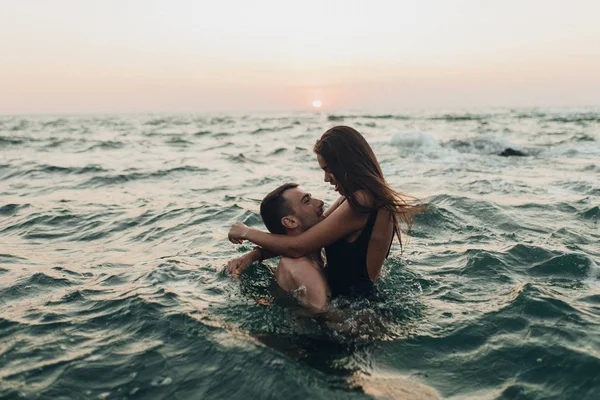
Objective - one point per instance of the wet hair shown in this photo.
(355, 167)
(274, 207)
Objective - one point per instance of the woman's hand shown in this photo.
(238, 233)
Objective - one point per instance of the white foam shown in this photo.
(414, 140)
(593, 274)
(423, 146)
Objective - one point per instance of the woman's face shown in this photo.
(329, 177)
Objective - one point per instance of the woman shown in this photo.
(359, 227)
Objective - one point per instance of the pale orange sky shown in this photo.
(67, 56)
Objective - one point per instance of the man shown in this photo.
(288, 210)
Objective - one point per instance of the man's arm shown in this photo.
(237, 265)
(300, 278)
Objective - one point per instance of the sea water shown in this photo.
(113, 238)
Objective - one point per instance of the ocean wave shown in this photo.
(591, 168)
(523, 254)
(413, 140)
(529, 115)
(221, 121)
(12, 140)
(582, 137)
(279, 150)
(461, 117)
(54, 143)
(591, 299)
(581, 187)
(33, 219)
(541, 303)
(157, 122)
(592, 214)
(33, 284)
(163, 134)
(242, 159)
(223, 134)
(424, 147)
(107, 180)
(178, 142)
(21, 126)
(11, 209)
(60, 122)
(482, 145)
(438, 216)
(267, 130)
(566, 265)
(54, 169)
(485, 265)
(106, 145)
(334, 117)
(472, 210)
(426, 144)
(575, 118)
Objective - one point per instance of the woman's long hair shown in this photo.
(355, 167)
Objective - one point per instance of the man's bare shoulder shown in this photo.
(291, 262)
(304, 277)
(291, 266)
(290, 270)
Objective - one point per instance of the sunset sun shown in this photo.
(317, 103)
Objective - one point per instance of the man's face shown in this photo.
(307, 210)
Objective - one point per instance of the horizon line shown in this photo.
(380, 111)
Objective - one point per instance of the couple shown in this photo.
(356, 231)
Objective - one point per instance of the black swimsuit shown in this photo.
(346, 270)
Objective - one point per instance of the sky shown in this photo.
(73, 56)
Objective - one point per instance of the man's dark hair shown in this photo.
(274, 207)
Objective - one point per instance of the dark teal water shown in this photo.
(113, 238)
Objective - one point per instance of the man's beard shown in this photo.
(309, 223)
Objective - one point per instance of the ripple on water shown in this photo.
(278, 151)
(57, 224)
(178, 142)
(108, 180)
(34, 284)
(13, 140)
(541, 304)
(241, 159)
(43, 170)
(591, 214)
(105, 145)
(521, 257)
(486, 265)
(577, 266)
(11, 209)
(501, 344)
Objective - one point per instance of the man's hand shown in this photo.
(237, 233)
(237, 265)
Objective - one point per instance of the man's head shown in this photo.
(288, 209)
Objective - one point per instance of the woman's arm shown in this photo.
(341, 223)
(239, 264)
(333, 207)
